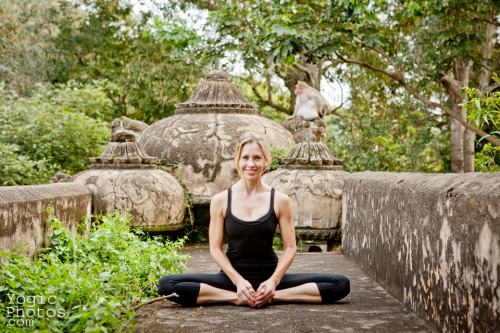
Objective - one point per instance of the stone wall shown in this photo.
(432, 240)
(23, 212)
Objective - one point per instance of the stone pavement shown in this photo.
(368, 308)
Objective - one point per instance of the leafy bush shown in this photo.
(277, 153)
(84, 283)
(55, 129)
(483, 108)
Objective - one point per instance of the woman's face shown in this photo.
(252, 161)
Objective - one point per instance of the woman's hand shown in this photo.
(245, 292)
(265, 293)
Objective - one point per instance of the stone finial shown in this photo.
(216, 95)
(60, 177)
(312, 153)
(311, 148)
(123, 152)
(128, 124)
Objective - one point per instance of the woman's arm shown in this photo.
(284, 213)
(215, 234)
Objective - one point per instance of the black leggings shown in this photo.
(332, 287)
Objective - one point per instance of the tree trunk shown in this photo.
(463, 72)
(462, 140)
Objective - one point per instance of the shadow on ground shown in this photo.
(368, 308)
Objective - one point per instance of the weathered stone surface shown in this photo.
(60, 177)
(315, 194)
(125, 123)
(216, 95)
(432, 240)
(203, 135)
(206, 143)
(311, 153)
(123, 152)
(154, 198)
(23, 212)
(306, 130)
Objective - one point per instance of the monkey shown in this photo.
(310, 104)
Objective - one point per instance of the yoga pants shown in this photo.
(332, 287)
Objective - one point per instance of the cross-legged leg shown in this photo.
(193, 289)
(210, 294)
(305, 293)
(312, 288)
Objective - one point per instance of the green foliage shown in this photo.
(277, 153)
(414, 43)
(89, 281)
(277, 243)
(26, 27)
(483, 108)
(381, 132)
(488, 159)
(56, 129)
(108, 42)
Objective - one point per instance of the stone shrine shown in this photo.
(204, 132)
(313, 179)
(125, 178)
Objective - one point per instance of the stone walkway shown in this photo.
(368, 308)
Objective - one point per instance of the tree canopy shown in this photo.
(418, 76)
(431, 49)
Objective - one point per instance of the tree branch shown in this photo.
(269, 102)
(388, 59)
(493, 87)
(421, 98)
(305, 70)
(367, 65)
(154, 300)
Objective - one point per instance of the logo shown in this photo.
(22, 309)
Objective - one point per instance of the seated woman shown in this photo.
(251, 274)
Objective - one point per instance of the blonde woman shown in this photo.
(251, 273)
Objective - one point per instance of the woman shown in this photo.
(251, 273)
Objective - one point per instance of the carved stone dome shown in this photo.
(315, 193)
(125, 178)
(203, 135)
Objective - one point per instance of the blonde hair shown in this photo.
(250, 139)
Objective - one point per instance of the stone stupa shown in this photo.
(127, 179)
(204, 132)
(313, 179)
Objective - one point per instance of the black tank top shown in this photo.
(250, 243)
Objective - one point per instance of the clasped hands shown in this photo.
(263, 295)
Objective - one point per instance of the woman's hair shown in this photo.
(250, 139)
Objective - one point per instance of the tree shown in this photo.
(423, 46)
(26, 27)
(108, 42)
(380, 131)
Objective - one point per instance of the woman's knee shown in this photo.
(335, 289)
(166, 285)
(345, 286)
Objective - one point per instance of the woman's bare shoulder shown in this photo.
(219, 200)
(281, 197)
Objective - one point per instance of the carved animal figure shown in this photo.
(310, 103)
